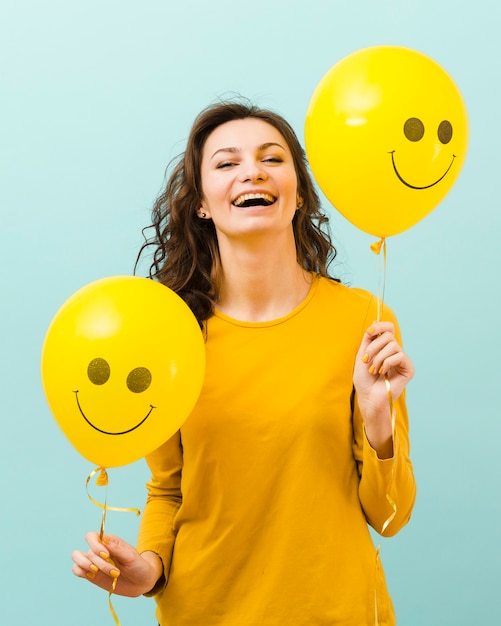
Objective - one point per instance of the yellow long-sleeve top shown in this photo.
(259, 506)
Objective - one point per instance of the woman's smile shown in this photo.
(254, 199)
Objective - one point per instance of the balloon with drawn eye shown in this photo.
(386, 135)
(123, 364)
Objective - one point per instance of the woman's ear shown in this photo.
(203, 211)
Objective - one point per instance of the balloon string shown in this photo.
(110, 604)
(376, 618)
(376, 248)
(102, 481)
(392, 473)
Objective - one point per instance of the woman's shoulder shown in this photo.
(355, 301)
(332, 288)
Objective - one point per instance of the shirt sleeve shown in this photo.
(387, 486)
(156, 531)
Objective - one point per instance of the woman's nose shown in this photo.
(252, 170)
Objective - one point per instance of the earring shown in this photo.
(201, 213)
(299, 203)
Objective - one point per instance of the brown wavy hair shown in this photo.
(186, 253)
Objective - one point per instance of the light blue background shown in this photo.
(95, 99)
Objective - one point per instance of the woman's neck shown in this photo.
(261, 282)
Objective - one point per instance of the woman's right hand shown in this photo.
(112, 558)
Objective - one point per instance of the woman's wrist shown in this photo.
(156, 568)
(378, 429)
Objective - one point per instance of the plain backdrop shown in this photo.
(95, 98)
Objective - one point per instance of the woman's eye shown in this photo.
(273, 160)
(226, 164)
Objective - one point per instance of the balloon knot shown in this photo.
(376, 247)
(102, 479)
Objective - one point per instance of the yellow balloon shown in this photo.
(386, 135)
(123, 364)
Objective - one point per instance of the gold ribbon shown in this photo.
(376, 618)
(376, 248)
(102, 481)
(392, 474)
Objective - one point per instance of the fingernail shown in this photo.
(104, 555)
(365, 358)
(90, 575)
(94, 567)
(371, 369)
(380, 370)
(115, 573)
(370, 330)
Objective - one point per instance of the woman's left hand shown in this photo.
(380, 357)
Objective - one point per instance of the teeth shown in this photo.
(253, 196)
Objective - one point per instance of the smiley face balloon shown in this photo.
(386, 135)
(123, 364)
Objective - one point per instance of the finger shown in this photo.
(84, 565)
(100, 552)
(119, 550)
(100, 579)
(96, 544)
(374, 332)
(385, 363)
(383, 352)
(91, 563)
(102, 569)
(398, 363)
(80, 558)
(379, 348)
(79, 571)
(110, 553)
(102, 563)
(378, 328)
(81, 564)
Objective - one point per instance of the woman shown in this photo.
(258, 509)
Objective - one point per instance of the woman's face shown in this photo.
(249, 181)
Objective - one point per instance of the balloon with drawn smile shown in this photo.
(122, 366)
(386, 135)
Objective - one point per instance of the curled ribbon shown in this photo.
(102, 481)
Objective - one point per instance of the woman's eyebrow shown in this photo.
(260, 148)
(265, 146)
(225, 150)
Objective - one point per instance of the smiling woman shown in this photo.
(186, 248)
(259, 505)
